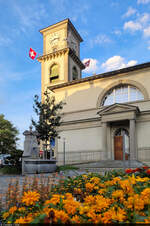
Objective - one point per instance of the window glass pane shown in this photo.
(133, 94)
(109, 98)
(140, 96)
(122, 94)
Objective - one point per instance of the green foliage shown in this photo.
(67, 167)
(8, 136)
(48, 112)
(10, 170)
(15, 158)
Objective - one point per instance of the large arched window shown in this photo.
(121, 94)
(54, 72)
(74, 73)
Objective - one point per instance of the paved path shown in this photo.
(5, 179)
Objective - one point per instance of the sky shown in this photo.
(116, 34)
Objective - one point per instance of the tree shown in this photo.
(48, 112)
(8, 136)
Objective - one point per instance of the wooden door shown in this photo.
(118, 147)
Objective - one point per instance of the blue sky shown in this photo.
(116, 34)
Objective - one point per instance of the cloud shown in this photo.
(100, 39)
(131, 11)
(143, 1)
(117, 62)
(113, 63)
(5, 41)
(93, 66)
(140, 24)
(132, 26)
(143, 19)
(148, 45)
(117, 32)
(147, 32)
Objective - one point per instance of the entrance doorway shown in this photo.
(121, 144)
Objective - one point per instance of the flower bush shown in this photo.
(116, 197)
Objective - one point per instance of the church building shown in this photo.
(106, 116)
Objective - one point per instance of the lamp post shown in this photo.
(1, 146)
(64, 149)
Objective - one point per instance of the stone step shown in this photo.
(112, 164)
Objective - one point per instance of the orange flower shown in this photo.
(20, 220)
(71, 206)
(102, 191)
(90, 199)
(30, 197)
(5, 215)
(134, 202)
(147, 221)
(12, 209)
(76, 219)
(21, 209)
(118, 194)
(145, 195)
(126, 186)
(114, 214)
(95, 180)
(61, 215)
(54, 200)
(77, 191)
(142, 179)
(89, 187)
(107, 217)
(101, 203)
(29, 218)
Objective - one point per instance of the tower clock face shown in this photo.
(54, 37)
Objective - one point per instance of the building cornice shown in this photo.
(103, 75)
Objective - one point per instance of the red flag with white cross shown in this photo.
(32, 54)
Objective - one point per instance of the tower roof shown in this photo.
(66, 21)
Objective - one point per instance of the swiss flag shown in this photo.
(32, 54)
(87, 63)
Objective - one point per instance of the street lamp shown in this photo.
(64, 149)
(1, 146)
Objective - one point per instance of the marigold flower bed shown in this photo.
(117, 197)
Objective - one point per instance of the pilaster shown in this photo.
(104, 140)
(132, 140)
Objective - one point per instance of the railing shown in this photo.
(79, 157)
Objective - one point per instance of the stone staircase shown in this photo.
(107, 165)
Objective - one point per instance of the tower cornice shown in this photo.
(61, 52)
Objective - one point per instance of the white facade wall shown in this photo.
(80, 145)
(143, 141)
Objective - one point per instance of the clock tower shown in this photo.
(60, 62)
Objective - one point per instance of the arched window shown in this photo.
(74, 73)
(54, 72)
(121, 94)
